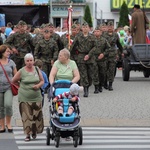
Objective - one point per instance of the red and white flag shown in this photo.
(130, 18)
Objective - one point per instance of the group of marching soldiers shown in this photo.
(95, 53)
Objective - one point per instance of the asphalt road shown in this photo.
(127, 105)
(111, 120)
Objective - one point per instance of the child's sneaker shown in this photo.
(60, 114)
(67, 115)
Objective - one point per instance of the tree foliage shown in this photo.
(123, 19)
(87, 16)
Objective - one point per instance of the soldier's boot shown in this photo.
(100, 88)
(106, 85)
(86, 91)
(110, 86)
(96, 89)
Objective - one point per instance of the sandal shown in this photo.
(27, 139)
(34, 136)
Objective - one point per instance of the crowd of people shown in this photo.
(87, 58)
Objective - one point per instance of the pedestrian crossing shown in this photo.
(101, 138)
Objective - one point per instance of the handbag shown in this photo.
(14, 87)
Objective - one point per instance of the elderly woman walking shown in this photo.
(29, 97)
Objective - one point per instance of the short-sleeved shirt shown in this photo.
(65, 71)
(9, 67)
(26, 92)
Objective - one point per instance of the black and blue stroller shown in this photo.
(62, 126)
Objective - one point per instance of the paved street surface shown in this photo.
(127, 105)
(108, 138)
(111, 120)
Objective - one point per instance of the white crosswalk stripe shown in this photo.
(100, 138)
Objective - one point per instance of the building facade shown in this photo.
(36, 12)
(108, 10)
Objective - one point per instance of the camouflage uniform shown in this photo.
(113, 40)
(56, 37)
(102, 47)
(46, 50)
(85, 44)
(23, 43)
(65, 42)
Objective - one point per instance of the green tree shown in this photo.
(123, 19)
(87, 16)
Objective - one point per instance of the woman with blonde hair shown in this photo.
(64, 68)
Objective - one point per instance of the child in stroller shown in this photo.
(72, 95)
(65, 93)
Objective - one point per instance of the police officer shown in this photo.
(113, 40)
(85, 42)
(21, 43)
(46, 50)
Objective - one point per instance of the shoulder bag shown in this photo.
(14, 87)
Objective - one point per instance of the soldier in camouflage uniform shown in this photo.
(113, 39)
(78, 27)
(55, 36)
(85, 43)
(64, 39)
(21, 43)
(46, 50)
(39, 35)
(101, 53)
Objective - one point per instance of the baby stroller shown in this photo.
(62, 126)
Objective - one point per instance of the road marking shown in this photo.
(93, 138)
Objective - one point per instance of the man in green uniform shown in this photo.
(46, 50)
(101, 53)
(55, 36)
(113, 39)
(21, 43)
(65, 37)
(85, 42)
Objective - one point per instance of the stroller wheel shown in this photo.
(57, 140)
(48, 136)
(75, 141)
(80, 136)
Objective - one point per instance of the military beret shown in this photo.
(42, 26)
(103, 24)
(76, 22)
(46, 31)
(50, 24)
(97, 28)
(136, 6)
(110, 23)
(21, 22)
(73, 26)
(47, 25)
(84, 23)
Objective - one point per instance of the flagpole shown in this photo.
(69, 24)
